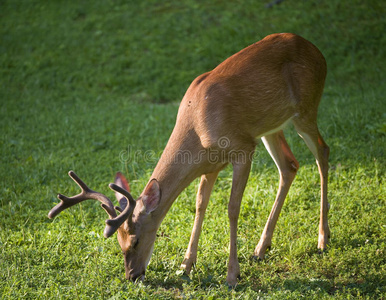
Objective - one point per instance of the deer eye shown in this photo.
(136, 243)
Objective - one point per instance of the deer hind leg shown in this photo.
(311, 135)
(203, 194)
(287, 164)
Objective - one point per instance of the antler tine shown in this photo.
(112, 225)
(85, 194)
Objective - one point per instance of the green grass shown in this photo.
(84, 82)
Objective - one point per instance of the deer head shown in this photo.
(137, 234)
(134, 224)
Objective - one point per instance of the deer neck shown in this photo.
(178, 166)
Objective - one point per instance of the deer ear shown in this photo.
(151, 196)
(121, 181)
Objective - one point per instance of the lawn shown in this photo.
(94, 87)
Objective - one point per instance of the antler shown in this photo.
(125, 212)
(114, 222)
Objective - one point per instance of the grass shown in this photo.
(94, 86)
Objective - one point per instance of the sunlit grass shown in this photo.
(83, 85)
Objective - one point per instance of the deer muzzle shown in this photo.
(134, 276)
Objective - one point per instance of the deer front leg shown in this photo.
(203, 194)
(239, 181)
(288, 166)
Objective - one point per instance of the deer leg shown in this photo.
(203, 194)
(239, 181)
(287, 164)
(318, 147)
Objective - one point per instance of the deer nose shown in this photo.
(135, 276)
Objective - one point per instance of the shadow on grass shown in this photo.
(325, 280)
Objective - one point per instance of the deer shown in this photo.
(251, 95)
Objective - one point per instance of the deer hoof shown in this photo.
(187, 265)
(232, 281)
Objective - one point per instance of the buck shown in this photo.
(252, 94)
